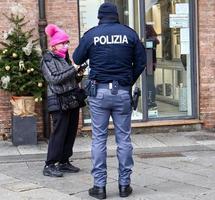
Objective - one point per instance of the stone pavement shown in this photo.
(179, 166)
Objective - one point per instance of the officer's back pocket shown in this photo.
(99, 96)
(125, 103)
(97, 100)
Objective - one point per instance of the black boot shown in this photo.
(125, 190)
(98, 192)
(52, 170)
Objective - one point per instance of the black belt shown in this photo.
(110, 86)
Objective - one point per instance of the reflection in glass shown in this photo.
(168, 69)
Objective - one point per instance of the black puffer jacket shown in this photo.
(60, 76)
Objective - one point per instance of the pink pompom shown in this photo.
(51, 29)
(56, 35)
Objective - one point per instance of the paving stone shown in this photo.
(4, 179)
(202, 158)
(164, 196)
(20, 186)
(172, 139)
(168, 162)
(207, 172)
(82, 144)
(206, 195)
(146, 179)
(40, 148)
(146, 141)
(47, 194)
(183, 177)
(184, 164)
(178, 188)
(6, 148)
(211, 146)
(206, 142)
(10, 195)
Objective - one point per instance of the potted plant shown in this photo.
(20, 70)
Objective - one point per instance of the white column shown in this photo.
(189, 92)
(131, 13)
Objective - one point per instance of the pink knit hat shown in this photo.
(56, 35)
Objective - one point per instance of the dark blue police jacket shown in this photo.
(115, 53)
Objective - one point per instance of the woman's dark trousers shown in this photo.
(65, 125)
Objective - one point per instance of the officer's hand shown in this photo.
(80, 72)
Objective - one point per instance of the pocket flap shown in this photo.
(125, 96)
(100, 96)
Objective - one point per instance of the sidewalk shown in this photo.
(167, 166)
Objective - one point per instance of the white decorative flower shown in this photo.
(28, 49)
(14, 55)
(28, 71)
(7, 67)
(10, 31)
(36, 100)
(38, 50)
(18, 10)
(5, 35)
(5, 51)
(40, 85)
(32, 69)
(5, 81)
(21, 65)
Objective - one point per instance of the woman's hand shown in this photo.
(76, 66)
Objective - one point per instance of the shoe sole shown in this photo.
(125, 195)
(51, 175)
(98, 196)
(67, 171)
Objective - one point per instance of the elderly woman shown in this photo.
(62, 80)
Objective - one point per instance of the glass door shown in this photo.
(167, 41)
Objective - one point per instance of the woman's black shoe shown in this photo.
(125, 190)
(68, 167)
(98, 192)
(52, 170)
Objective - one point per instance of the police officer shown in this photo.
(116, 59)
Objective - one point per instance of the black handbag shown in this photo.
(72, 99)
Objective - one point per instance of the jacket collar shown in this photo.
(108, 21)
(53, 54)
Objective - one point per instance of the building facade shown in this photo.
(179, 36)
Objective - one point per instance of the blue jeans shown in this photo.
(118, 107)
